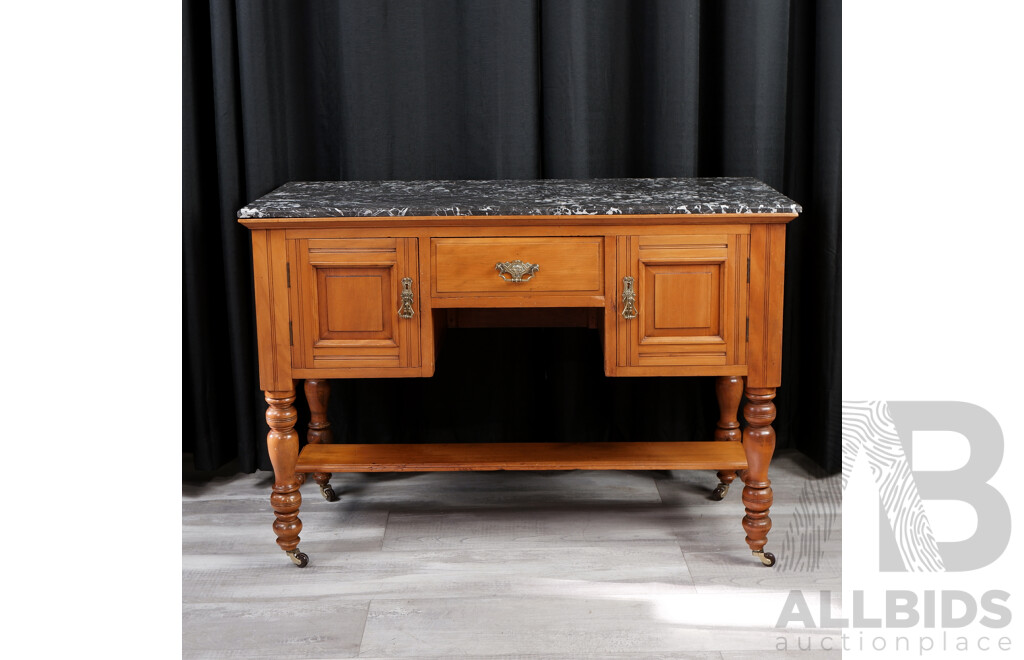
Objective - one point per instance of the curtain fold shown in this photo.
(473, 89)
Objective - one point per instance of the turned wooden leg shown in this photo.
(729, 390)
(283, 445)
(317, 392)
(759, 444)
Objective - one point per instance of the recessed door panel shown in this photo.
(353, 302)
(686, 299)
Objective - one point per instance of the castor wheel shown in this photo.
(719, 492)
(328, 492)
(767, 558)
(300, 559)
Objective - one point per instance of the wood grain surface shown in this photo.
(522, 456)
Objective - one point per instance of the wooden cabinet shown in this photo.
(688, 283)
(682, 302)
(345, 297)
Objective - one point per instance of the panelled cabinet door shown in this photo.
(690, 300)
(347, 303)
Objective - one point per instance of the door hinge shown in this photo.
(291, 339)
(747, 332)
(288, 272)
(748, 270)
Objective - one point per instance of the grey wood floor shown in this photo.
(507, 565)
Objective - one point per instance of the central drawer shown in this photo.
(551, 265)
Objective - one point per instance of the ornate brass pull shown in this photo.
(628, 298)
(517, 269)
(406, 311)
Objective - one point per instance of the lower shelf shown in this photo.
(523, 456)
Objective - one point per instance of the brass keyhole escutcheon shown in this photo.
(406, 311)
(628, 298)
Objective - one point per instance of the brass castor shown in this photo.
(300, 559)
(719, 492)
(767, 558)
(328, 492)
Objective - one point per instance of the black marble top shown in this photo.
(325, 199)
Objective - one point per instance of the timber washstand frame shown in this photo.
(681, 277)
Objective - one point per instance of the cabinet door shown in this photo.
(689, 300)
(347, 303)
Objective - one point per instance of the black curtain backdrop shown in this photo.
(281, 91)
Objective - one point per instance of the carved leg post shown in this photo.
(759, 444)
(729, 390)
(317, 393)
(283, 445)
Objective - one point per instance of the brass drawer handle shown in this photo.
(517, 269)
(406, 311)
(628, 298)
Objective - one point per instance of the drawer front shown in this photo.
(556, 265)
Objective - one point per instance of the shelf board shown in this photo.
(523, 456)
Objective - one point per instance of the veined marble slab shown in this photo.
(330, 199)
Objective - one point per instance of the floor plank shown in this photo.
(585, 627)
(723, 572)
(468, 573)
(710, 655)
(807, 654)
(274, 629)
